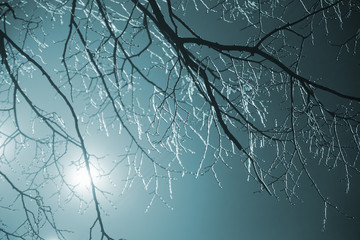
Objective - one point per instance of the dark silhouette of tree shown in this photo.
(166, 98)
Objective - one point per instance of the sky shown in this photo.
(200, 209)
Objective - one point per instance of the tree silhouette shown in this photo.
(149, 91)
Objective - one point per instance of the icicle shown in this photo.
(325, 217)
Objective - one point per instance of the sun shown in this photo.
(82, 177)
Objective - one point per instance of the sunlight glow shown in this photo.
(82, 177)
